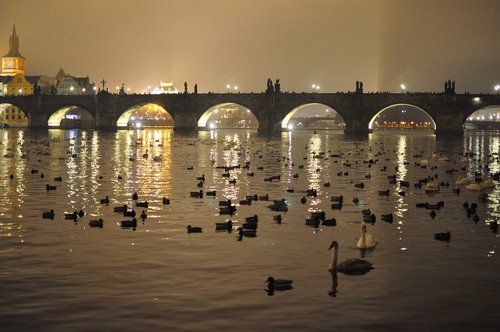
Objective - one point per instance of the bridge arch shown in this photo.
(399, 118)
(328, 117)
(12, 116)
(485, 118)
(72, 116)
(145, 115)
(228, 115)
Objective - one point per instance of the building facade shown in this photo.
(13, 80)
(71, 85)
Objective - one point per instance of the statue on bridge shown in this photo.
(185, 88)
(196, 89)
(277, 86)
(270, 88)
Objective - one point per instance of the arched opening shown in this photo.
(12, 116)
(70, 117)
(313, 116)
(144, 116)
(228, 116)
(402, 117)
(486, 118)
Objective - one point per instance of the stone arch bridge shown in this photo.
(449, 111)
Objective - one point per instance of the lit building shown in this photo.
(165, 87)
(12, 116)
(12, 80)
(72, 85)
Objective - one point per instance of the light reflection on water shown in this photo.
(60, 274)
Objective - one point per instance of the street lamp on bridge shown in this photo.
(315, 87)
(497, 88)
(403, 88)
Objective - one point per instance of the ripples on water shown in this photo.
(60, 275)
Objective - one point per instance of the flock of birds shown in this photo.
(316, 219)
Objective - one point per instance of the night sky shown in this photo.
(332, 43)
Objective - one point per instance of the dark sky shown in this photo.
(331, 43)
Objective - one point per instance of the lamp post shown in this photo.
(235, 88)
(403, 88)
(228, 87)
(497, 88)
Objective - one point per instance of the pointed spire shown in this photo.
(14, 44)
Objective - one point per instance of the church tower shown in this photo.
(13, 61)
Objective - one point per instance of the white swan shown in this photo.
(366, 240)
(431, 187)
(349, 266)
(463, 180)
(473, 186)
(488, 183)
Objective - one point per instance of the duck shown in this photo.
(224, 226)
(58, 179)
(129, 213)
(201, 178)
(349, 266)
(135, 197)
(212, 193)
(277, 218)
(387, 217)
(433, 214)
(142, 204)
(143, 215)
(96, 223)
(246, 232)
(355, 200)
(71, 216)
(197, 194)
(383, 192)
(314, 222)
(120, 209)
(366, 240)
(329, 222)
(129, 223)
(48, 215)
(165, 201)
(81, 213)
(157, 158)
(442, 236)
(50, 187)
(303, 200)
(105, 200)
(191, 229)
(278, 284)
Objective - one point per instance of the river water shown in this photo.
(62, 275)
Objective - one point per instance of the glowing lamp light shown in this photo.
(212, 125)
(71, 88)
(95, 88)
(83, 89)
(290, 126)
(138, 125)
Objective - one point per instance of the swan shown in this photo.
(349, 266)
(473, 186)
(431, 187)
(463, 180)
(366, 240)
(488, 183)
